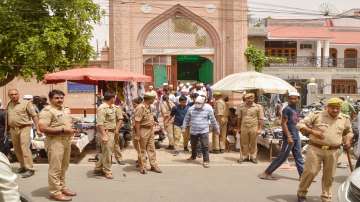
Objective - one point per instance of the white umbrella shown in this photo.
(252, 81)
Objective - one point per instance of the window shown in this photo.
(285, 49)
(340, 86)
(305, 46)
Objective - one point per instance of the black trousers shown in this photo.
(204, 142)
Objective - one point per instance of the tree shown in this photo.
(255, 57)
(41, 36)
(258, 59)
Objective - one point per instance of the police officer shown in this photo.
(327, 130)
(117, 149)
(106, 123)
(166, 107)
(144, 133)
(56, 122)
(20, 114)
(250, 124)
(221, 111)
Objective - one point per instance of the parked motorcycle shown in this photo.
(159, 134)
(125, 132)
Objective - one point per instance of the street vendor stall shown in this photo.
(262, 83)
(102, 77)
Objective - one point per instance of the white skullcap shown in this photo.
(294, 94)
(184, 90)
(200, 99)
(165, 84)
(28, 97)
(181, 85)
(188, 84)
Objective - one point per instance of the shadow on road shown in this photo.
(41, 192)
(90, 174)
(287, 178)
(198, 161)
(131, 168)
(340, 179)
(232, 159)
(291, 198)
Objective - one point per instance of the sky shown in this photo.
(261, 8)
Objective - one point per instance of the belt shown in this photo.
(21, 127)
(325, 147)
(110, 130)
(146, 126)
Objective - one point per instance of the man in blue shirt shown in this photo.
(291, 139)
(178, 112)
(197, 120)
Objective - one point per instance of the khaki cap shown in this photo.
(334, 101)
(217, 93)
(149, 95)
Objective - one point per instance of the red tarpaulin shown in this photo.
(93, 75)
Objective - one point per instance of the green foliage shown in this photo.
(276, 60)
(40, 36)
(258, 59)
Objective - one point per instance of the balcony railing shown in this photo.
(317, 62)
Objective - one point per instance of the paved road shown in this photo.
(180, 182)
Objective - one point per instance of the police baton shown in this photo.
(349, 159)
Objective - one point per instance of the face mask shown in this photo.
(198, 106)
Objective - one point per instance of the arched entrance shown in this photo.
(183, 41)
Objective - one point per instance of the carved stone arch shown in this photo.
(214, 36)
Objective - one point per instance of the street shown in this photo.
(181, 181)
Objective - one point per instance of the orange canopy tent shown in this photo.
(94, 75)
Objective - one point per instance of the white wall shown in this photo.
(306, 52)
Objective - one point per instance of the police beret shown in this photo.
(334, 101)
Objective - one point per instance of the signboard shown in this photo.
(74, 87)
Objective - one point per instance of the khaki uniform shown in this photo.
(147, 144)
(249, 117)
(58, 146)
(221, 109)
(334, 132)
(169, 128)
(19, 117)
(106, 117)
(117, 149)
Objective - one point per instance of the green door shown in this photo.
(206, 72)
(160, 75)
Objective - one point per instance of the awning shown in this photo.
(93, 75)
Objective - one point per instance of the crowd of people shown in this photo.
(189, 115)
